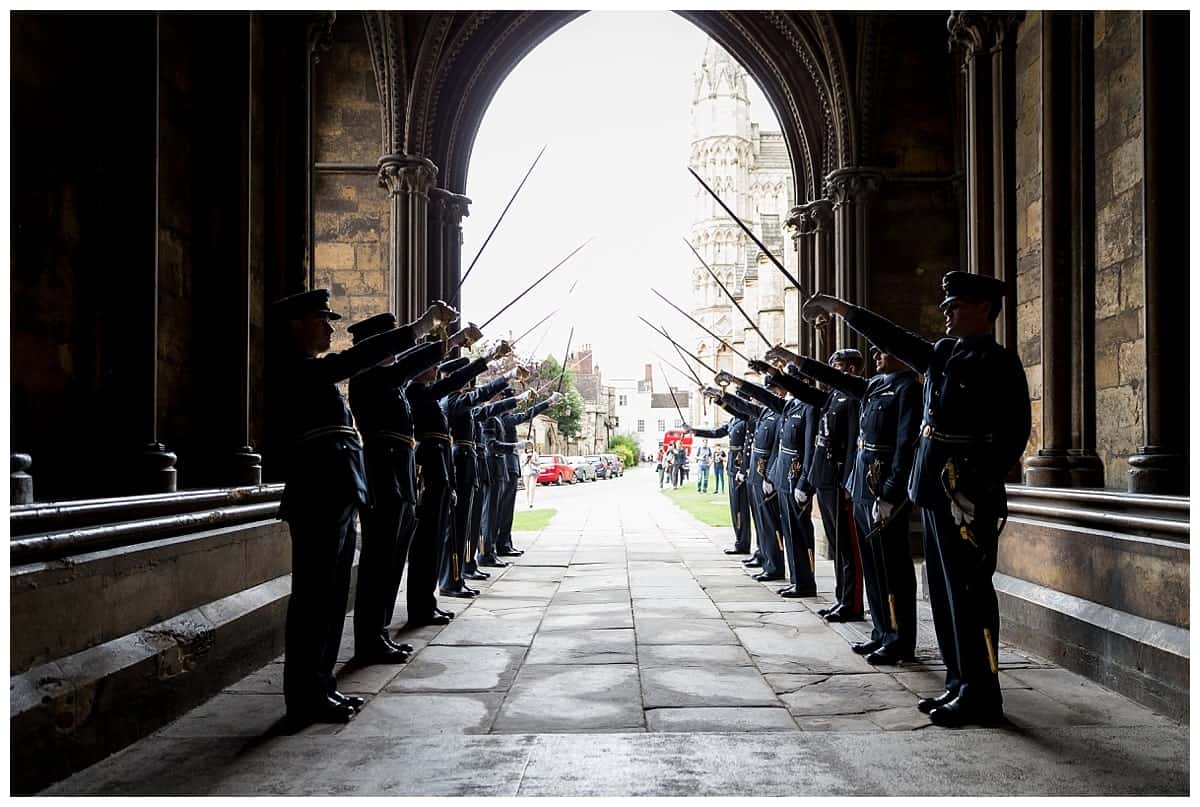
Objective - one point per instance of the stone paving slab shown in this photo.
(583, 597)
(453, 668)
(587, 616)
(682, 608)
(683, 631)
(400, 714)
(705, 686)
(692, 655)
(489, 630)
(573, 698)
(604, 646)
(756, 718)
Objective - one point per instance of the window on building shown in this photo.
(641, 427)
(678, 423)
(616, 421)
(623, 400)
(662, 425)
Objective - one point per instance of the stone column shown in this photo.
(804, 236)
(156, 464)
(458, 207)
(247, 464)
(1161, 464)
(21, 483)
(821, 214)
(1050, 466)
(435, 269)
(969, 30)
(849, 191)
(408, 181)
(1004, 180)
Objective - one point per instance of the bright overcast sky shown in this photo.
(611, 94)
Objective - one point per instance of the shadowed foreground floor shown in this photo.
(624, 654)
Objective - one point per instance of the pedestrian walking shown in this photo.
(703, 461)
(719, 470)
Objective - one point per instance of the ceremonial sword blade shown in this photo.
(685, 362)
(749, 232)
(531, 330)
(664, 334)
(672, 366)
(701, 325)
(673, 399)
(549, 272)
(512, 199)
(736, 304)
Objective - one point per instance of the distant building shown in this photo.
(644, 412)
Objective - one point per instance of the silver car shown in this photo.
(585, 471)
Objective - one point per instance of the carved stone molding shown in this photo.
(437, 203)
(320, 35)
(389, 57)
(852, 184)
(976, 32)
(458, 207)
(400, 173)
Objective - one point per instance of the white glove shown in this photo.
(740, 478)
(961, 515)
(881, 510)
(555, 397)
(800, 497)
(768, 488)
(526, 395)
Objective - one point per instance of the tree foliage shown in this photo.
(567, 413)
(625, 447)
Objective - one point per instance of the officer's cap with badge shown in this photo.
(959, 285)
(303, 304)
(847, 354)
(372, 326)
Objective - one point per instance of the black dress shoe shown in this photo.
(887, 657)
(826, 611)
(428, 619)
(509, 552)
(476, 575)
(734, 551)
(380, 653)
(781, 590)
(353, 701)
(443, 612)
(461, 593)
(866, 648)
(753, 563)
(323, 710)
(843, 615)
(963, 710)
(927, 705)
(491, 560)
(794, 593)
(767, 578)
(405, 646)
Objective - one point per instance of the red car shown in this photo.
(553, 470)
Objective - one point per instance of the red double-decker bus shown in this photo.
(673, 436)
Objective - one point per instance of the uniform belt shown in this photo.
(329, 431)
(783, 450)
(732, 447)
(408, 440)
(930, 433)
(758, 450)
(465, 443)
(820, 441)
(439, 436)
(874, 446)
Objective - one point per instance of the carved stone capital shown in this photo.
(438, 200)
(852, 184)
(821, 213)
(458, 207)
(976, 32)
(400, 173)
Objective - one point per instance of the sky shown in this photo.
(610, 95)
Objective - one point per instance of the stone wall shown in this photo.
(1029, 213)
(351, 210)
(1120, 347)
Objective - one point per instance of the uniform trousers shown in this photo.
(459, 524)
(839, 531)
(963, 601)
(739, 511)
(797, 527)
(424, 558)
(387, 532)
(504, 517)
(323, 544)
(491, 512)
(475, 528)
(888, 559)
(770, 536)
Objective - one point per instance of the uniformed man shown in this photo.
(384, 420)
(976, 424)
(471, 569)
(888, 425)
(832, 461)
(491, 431)
(458, 407)
(797, 430)
(750, 412)
(436, 466)
(739, 503)
(325, 486)
(763, 496)
(507, 447)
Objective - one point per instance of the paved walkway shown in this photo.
(626, 655)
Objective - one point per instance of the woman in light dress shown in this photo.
(529, 470)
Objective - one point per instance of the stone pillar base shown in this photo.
(1087, 471)
(1154, 470)
(1049, 468)
(21, 489)
(247, 467)
(158, 473)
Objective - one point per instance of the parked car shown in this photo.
(600, 465)
(584, 470)
(553, 470)
(615, 466)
